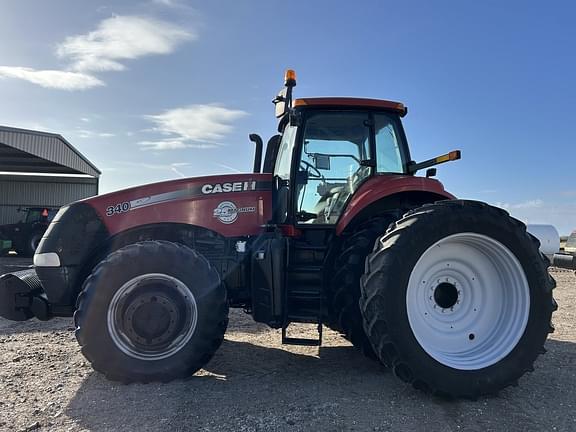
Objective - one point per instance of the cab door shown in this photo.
(334, 159)
(282, 175)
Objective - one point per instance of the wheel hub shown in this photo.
(152, 316)
(446, 295)
(151, 319)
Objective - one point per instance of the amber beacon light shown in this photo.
(290, 78)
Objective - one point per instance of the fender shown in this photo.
(232, 205)
(385, 185)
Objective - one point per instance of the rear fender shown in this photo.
(385, 193)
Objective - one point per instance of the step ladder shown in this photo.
(303, 303)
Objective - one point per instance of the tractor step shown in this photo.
(301, 341)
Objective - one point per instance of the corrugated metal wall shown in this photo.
(39, 191)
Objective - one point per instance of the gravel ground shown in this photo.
(256, 384)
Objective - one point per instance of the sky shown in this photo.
(160, 89)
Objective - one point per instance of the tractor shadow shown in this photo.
(251, 387)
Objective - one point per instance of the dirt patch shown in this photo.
(256, 384)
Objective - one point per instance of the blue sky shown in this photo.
(158, 89)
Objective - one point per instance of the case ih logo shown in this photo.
(227, 212)
(229, 187)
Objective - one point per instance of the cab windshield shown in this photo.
(33, 215)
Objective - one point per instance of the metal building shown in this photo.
(39, 169)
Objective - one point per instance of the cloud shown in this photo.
(229, 168)
(535, 203)
(168, 3)
(57, 79)
(114, 41)
(174, 167)
(196, 126)
(174, 5)
(168, 144)
(121, 38)
(86, 133)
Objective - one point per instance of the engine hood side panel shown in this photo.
(231, 205)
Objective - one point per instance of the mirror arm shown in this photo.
(413, 167)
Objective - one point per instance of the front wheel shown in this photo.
(151, 311)
(457, 299)
(28, 248)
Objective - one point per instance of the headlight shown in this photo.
(48, 259)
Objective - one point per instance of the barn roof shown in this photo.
(23, 150)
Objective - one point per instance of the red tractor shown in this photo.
(336, 229)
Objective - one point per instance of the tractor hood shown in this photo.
(232, 205)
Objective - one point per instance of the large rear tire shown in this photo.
(151, 311)
(457, 299)
(343, 291)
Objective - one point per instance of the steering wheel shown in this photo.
(309, 167)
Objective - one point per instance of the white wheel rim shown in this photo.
(468, 301)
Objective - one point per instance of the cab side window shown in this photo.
(388, 154)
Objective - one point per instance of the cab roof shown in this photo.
(347, 102)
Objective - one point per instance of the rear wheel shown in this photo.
(457, 299)
(343, 291)
(151, 311)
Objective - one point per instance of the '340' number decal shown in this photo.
(118, 208)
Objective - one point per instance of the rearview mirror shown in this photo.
(322, 162)
(280, 103)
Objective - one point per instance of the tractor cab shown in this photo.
(328, 148)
